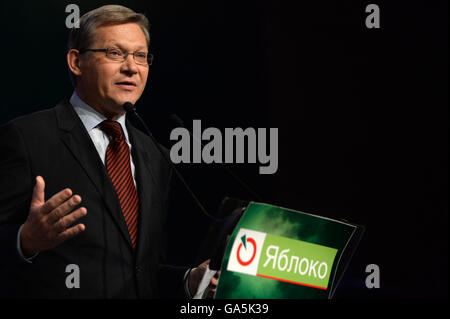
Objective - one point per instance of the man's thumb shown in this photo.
(38, 191)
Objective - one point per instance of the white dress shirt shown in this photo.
(91, 119)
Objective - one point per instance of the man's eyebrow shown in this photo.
(114, 44)
(141, 47)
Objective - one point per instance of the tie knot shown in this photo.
(112, 128)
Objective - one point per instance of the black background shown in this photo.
(362, 114)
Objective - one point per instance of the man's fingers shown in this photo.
(214, 282)
(38, 197)
(211, 292)
(63, 209)
(56, 200)
(68, 220)
(70, 233)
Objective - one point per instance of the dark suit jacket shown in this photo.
(55, 145)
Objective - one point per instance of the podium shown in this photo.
(269, 252)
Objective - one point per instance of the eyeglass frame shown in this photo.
(150, 56)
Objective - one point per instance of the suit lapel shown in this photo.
(78, 141)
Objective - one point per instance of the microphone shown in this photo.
(129, 107)
(179, 122)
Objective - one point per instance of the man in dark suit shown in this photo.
(82, 192)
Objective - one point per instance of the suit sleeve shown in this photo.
(171, 284)
(15, 195)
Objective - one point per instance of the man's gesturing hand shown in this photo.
(47, 224)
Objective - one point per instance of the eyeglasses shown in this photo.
(113, 54)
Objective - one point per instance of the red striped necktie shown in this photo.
(117, 163)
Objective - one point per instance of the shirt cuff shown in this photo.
(19, 249)
(186, 283)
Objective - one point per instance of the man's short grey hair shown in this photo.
(81, 38)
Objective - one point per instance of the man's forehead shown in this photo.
(122, 35)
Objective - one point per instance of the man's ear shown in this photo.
(73, 61)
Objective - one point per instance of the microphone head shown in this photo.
(176, 120)
(128, 106)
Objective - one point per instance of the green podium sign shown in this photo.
(280, 253)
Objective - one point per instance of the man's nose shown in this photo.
(129, 65)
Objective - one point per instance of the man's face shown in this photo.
(106, 85)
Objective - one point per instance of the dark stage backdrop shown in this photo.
(362, 114)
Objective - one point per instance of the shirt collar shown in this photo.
(90, 117)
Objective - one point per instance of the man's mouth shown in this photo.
(128, 85)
